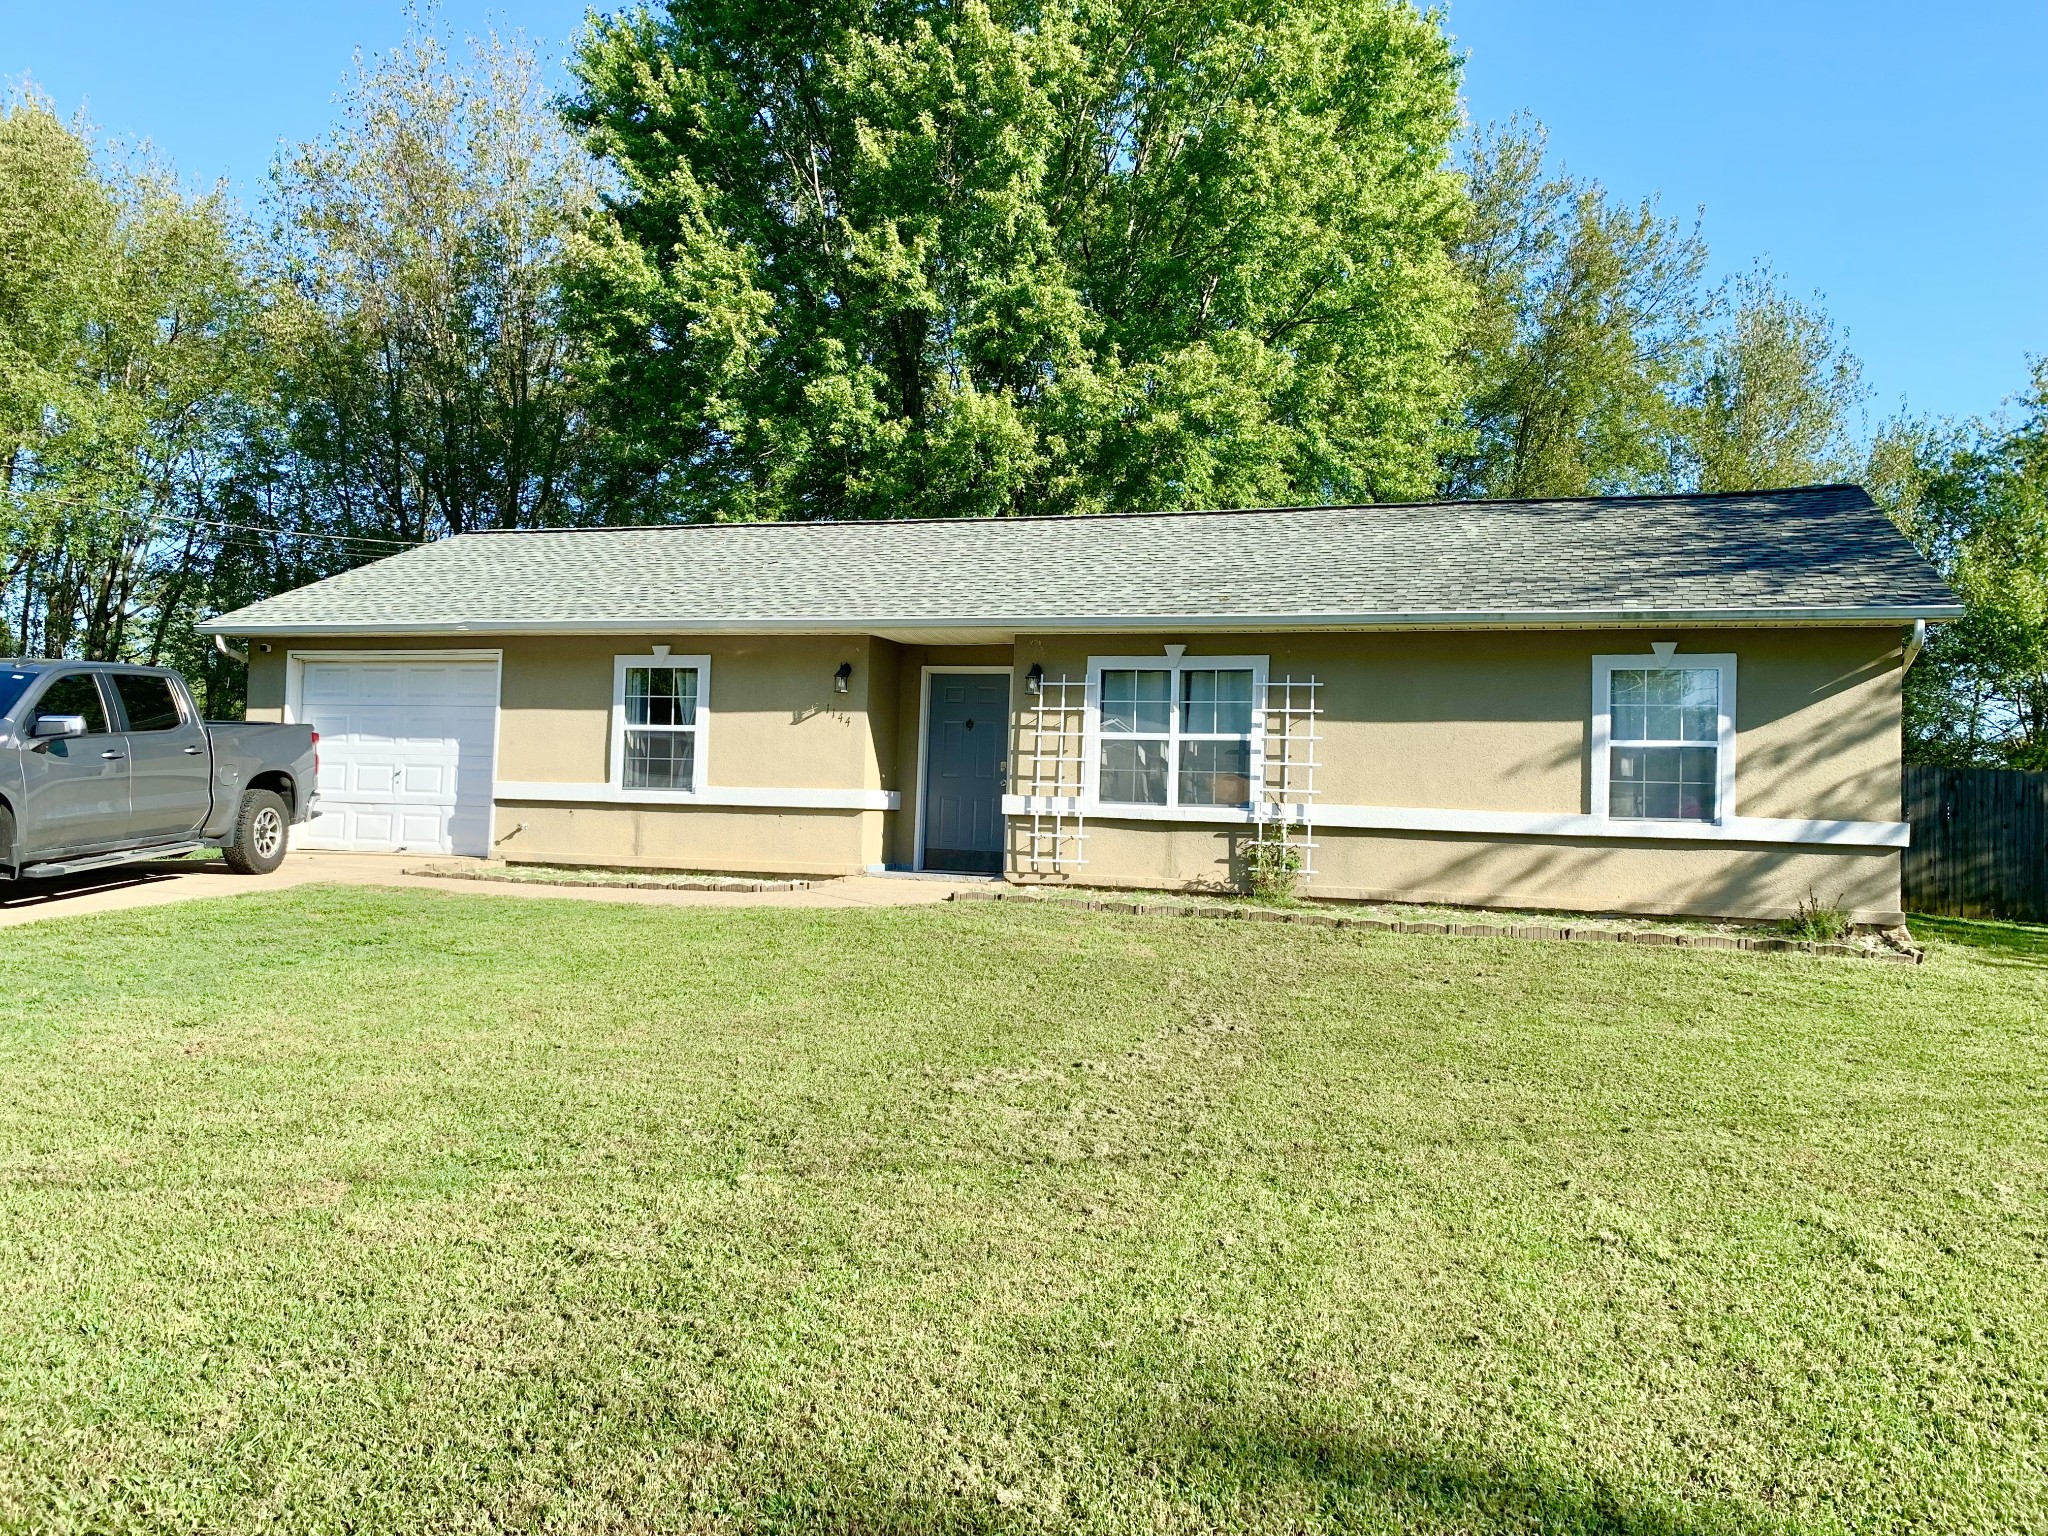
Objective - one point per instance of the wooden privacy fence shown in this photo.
(1980, 843)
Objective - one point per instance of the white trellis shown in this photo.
(1285, 810)
(1053, 833)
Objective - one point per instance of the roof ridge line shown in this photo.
(1100, 517)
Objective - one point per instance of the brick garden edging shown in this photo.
(710, 883)
(1758, 943)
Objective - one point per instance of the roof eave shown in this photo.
(1605, 618)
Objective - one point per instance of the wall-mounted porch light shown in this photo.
(1034, 680)
(842, 677)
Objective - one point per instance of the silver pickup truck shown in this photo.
(102, 763)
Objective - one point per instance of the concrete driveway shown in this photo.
(159, 884)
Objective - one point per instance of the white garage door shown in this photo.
(405, 754)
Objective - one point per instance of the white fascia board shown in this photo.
(682, 624)
(762, 799)
(1571, 825)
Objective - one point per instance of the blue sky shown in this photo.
(1888, 157)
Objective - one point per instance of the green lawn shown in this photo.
(346, 1210)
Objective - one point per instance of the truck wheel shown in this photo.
(262, 829)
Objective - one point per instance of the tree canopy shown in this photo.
(414, 281)
(125, 377)
(1975, 499)
(894, 259)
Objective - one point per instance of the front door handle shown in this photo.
(194, 751)
(112, 756)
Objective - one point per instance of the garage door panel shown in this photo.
(328, 683)
(405, 754)
(428, 779)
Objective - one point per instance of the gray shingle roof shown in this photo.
(1816, 554)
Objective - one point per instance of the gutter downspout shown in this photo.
(220, 643)
(1915, 643)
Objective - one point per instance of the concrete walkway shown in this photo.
(159, 884)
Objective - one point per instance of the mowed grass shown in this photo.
(352, 1210)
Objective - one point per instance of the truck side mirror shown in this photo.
(48, 726)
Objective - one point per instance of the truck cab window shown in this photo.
(148, 702)
(75, 693)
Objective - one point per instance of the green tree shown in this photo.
(1975, 501)
(886, 259)
(1589, 320)
(125, 368)
(417, 282)
(1774, 399)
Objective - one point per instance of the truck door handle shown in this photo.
(111, 755)
(193, 751)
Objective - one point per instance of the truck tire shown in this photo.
(262, 831)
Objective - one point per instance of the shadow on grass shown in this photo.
(1439, 1489)
(2007, 943)
(1297, 1479)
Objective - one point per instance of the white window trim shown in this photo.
(702, 729)
(1174, 661)
(1604, 668)
(1499, 824)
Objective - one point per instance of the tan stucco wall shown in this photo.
(710, 838)
(1540, 873)
(1501, 722)
(1450, 721)
(775, 722)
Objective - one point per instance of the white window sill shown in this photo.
(1380, 818)
(769, 799)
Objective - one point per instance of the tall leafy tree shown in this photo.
(418, 277)
(1590, 318)
(1975, 500)
(892, 258)
(126, 328)
(1599, 361)
(1774, 399)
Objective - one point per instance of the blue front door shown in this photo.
(965, 754)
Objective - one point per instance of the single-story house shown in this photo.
(1679, 704)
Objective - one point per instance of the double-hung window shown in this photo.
(1664, 738)
(659, 704)
(1176, 732)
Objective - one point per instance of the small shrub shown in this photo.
(1272, 869)
(1817, 923)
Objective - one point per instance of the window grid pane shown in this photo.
(1666, 704)
(661, 696)
(661, 759)
(1215, 773)
(1136, 703)
(1216, 702)
(1663, 783)
(1133, 772)
(1175, 735)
